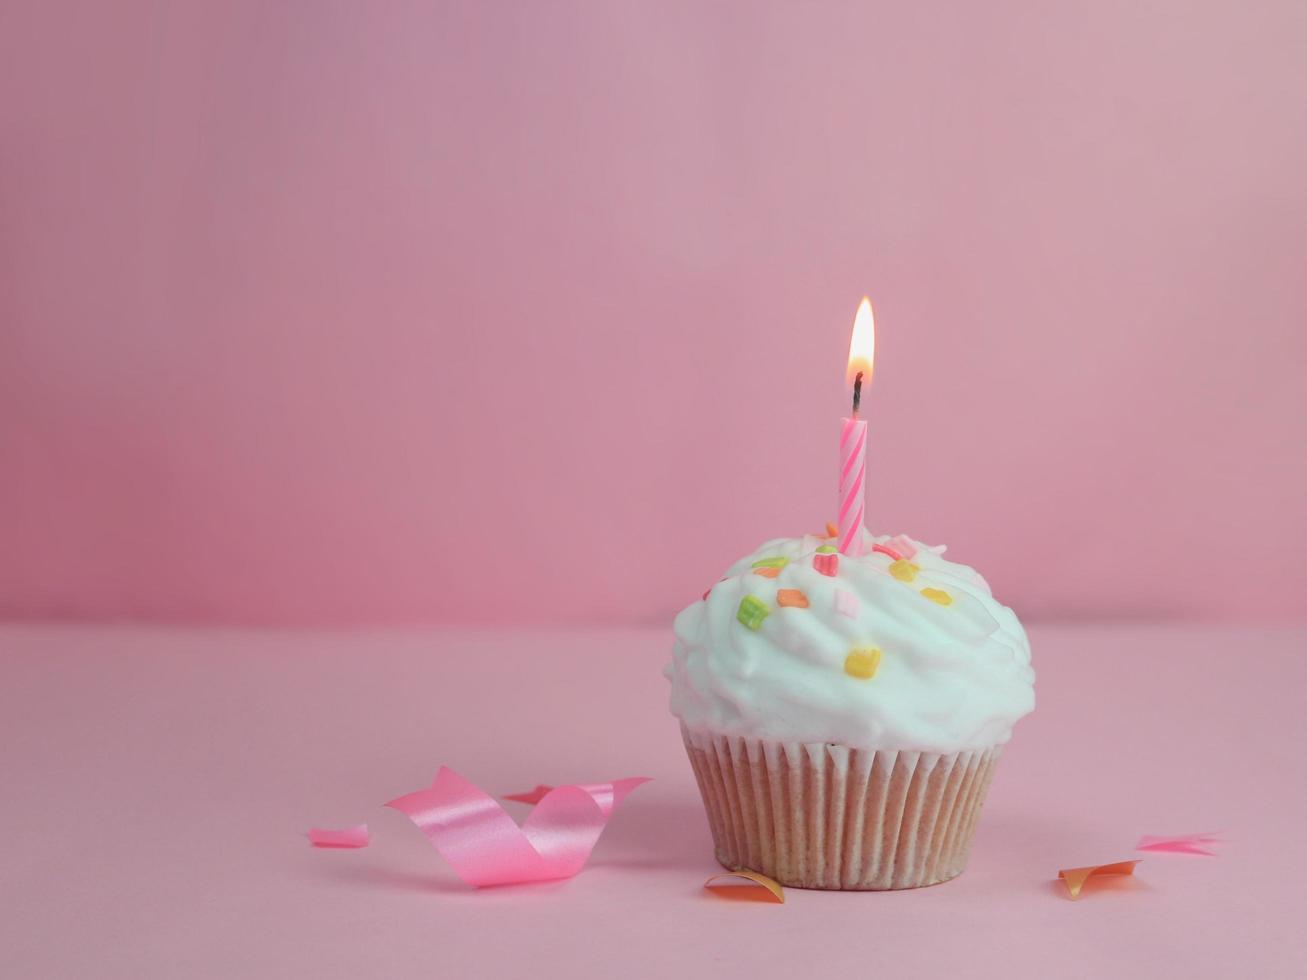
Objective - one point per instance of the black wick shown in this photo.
(857, 392)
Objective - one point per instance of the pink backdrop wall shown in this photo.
(354, 313)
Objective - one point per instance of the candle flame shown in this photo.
(862, 346)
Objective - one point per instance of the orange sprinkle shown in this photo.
(791, 597)
(772, 886)
(862, 664)
(769, 571)
(831, 530)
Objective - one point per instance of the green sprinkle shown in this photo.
(752, 612)
(777, 562)
(826, 549)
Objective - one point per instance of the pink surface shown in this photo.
(157, 784)
(436, 312)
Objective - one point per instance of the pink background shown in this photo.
(351, 313)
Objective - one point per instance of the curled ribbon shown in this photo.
(485, 847)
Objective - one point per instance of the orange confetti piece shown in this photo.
(791, 597)
(746, 893)
(831, 530)
(862, 664)
(1075, 878)
(769, 571)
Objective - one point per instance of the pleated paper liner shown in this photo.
(826, 816)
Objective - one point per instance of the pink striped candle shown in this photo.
(853, 437)
(853, 478)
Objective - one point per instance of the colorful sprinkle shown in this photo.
(715, 886)
(885, 549)
(904, 571)
(770, 567)
(903, 545)
(847, 604)
(827, 564)
(938, 595)
(827, 549)
(791, 597)
(752, 612)
(862, 664)
(832, 530)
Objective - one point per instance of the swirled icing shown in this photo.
(907, 653)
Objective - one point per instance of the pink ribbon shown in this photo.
(485, 847)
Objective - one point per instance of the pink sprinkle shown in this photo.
(903, 546)
(885, 549)
(1185, 844)
(847, 604)
(356, 836)
(828, 564)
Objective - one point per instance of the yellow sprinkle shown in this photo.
(904, 570)
(938, 595)
(862, 664)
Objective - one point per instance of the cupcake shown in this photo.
(844, 715)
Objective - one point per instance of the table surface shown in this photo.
(158, 783)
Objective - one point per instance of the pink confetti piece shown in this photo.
(532, 796)
(903, 545)
(826, 564)
(1184, 844)
(485, 847)
(356, 836)
(847, 604)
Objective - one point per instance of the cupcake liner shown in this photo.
(818, 815)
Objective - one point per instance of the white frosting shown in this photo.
(950, 677)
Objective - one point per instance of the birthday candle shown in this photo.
(853, 477)
(853, 435)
